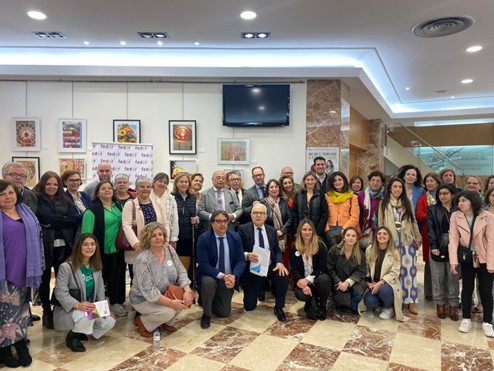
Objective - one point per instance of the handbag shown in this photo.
(75, 293)
(443, 249)
(174, 292)
(121, 242)
(465, 254)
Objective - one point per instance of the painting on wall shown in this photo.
(26, 135)
(127, 131)
(76, 164)
(72, 135)
(180, 166)
(32, 167)
(233, 151)
(182, 137)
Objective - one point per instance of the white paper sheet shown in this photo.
(261, 267)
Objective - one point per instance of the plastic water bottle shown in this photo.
(156, 339)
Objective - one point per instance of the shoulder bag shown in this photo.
(75, 293)
(121, 242)
(465, 254)
(174, 291)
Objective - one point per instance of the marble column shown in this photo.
(373, 158)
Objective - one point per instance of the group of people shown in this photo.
(329, 237)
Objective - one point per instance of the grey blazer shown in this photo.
(62, 315)
(208, 204)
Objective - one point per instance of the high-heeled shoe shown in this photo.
(412, 308)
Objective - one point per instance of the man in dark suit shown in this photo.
(262, 235)
(320, 169)
(218, 197)
(254, 193)
(235, 180)
(220, 263)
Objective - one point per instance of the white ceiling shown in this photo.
(368, 44)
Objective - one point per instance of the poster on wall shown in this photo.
(72, 135)
(76, 164)
(32, 167)
(181, 166)
(233, 151)
(134, 160)
(127, 131)
(26, 135)
(330, 154)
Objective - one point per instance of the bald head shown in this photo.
(104, 171)
(219, 179)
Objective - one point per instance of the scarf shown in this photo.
(368, 194)
(431, 197)
(339, 198)
(394, 214)
(34, 258)
(277, 221)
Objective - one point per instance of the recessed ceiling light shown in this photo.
(86, 43)
(160, 35)
(197, 43)
(248, 15)
(407, 88)
(474, 49)
(123, 43)
(159, 43)
(466, 81)
(34, 14)
(248, 35)
(262, 35)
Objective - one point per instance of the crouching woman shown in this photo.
(78, 286)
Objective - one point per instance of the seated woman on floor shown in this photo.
(347, 269)
(78, 286)
(383, 277)
(157, 268)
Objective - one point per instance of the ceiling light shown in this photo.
(86, 43)
(248, 35)
(123, 43)
(152, 35)
(146, 35)
(34, 14)
(332, 112)
(262, 35)
(407, 88)
(49, 34)
(452, 97)
(474, 49)
(197, 43)
(466, 81)
(255, 35)
(159, 43)
(248, 15)
(160, 35)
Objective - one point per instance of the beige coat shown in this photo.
(483, 237)
(127, 224)
(390, 272)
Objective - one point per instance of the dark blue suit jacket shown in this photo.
(207, 256)
(86, 200)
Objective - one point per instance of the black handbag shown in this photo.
(75, 293)
(465, 254)
(443, 249)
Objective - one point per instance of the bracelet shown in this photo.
(383, 282)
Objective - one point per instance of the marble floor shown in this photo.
(257, 341)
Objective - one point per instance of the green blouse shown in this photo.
(113, 221)
(87, 274)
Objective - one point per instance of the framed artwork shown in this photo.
(127, 131)
(32, 167)
(182, 137)
(179, 166)
(26, 135)
(233, 151)
(72, 135)
(77, 164)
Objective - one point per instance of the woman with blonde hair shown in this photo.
(158, 267)
(308, 259)
(347, 270)
(383, 276)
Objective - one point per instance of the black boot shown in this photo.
(7, 358)
(321, 310)
(73, 343)
(22, 350)
(48, 320)
(311, 310)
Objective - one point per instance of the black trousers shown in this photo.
(114, 277)
(485, 278)
(252, 285)
(320, 290)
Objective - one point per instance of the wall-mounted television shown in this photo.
(256, 105)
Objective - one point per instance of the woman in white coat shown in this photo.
(78, 286)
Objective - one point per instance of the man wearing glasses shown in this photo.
(235, 180)
(220, 263)
(256, 192)
(16, 173)
(257, 233)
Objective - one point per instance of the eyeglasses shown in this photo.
(258, 213)
(235, 180)
(221, 221)
(73, 180)
(17, 175)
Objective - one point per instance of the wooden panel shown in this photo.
(359, 130)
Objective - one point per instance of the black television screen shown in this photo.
(256, 105)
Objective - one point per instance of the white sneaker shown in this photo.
(466, 325)
(119, 310)
(387, 313)
(488, 331)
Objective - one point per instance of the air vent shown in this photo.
(153, 35)
(440, 27)
(49, 35)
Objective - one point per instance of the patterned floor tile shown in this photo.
(370, 343)
(464, 357)
(295, 327)
(150, 359)
(309, 357)
(422, 325)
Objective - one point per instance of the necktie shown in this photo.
(219, 201)
(261, 190)
(221, 259)
(261, 238)
(236, 193)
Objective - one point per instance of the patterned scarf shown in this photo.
(406, 231)
(34, 257)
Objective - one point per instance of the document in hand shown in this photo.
(102, 308)
(261, 267)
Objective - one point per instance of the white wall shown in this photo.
(154, 104)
